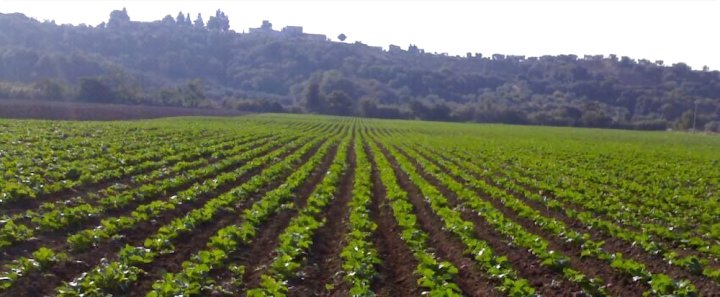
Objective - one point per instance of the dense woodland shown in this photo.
(185, 61)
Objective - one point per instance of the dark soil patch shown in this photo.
(198, 240)
(654, 263)
(23, 205)
(58, 238)
(470, 277)
(79, 111)
(82, 261)
(397, 269)
(323, 264)
(256, 256)
(618, 284)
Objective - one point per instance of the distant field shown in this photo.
(53, 110)
(275, 205)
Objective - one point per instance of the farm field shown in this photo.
(290, 205)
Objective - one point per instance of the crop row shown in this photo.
(112, 226)
(161, 242)
(195, 274)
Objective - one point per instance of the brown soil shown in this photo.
(323, 264)
(397, 269)
(256, 256)
(82, 190)
(58, 238)
(678, 247)
(198, 239)
(470, 277)
(79, 111)
(82, 261)
(546, 281)
(654, 263)
(618, 284)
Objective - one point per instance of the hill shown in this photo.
(178, 62)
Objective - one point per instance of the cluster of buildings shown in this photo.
(288, 32)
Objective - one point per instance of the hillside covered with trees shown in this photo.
(186, 61)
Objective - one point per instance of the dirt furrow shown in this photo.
(256, 256)
(86, 189)
(470, 277)
(545, 280)
(323, 264)
(397, 267)
(654, 263)
(617, 283)
(82, 261)
(198, 240)
(673, 244)
(53, 239)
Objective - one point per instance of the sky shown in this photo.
(669, 30)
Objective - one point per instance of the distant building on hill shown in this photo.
(288, 32)
(265, 28)
(315, 37)
(293, 30)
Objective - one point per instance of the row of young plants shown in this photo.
(692, 263)
(682, 226)
(251, 160)
(535, 244)
(495, 266)
(677, 217)
(435, 276)
(81, 172)
(622, 223)
(111, 227)
(50, 149)
(14, 230)
(667, 211)
(195, 275)
(585, 214)
(123, 153)
(671, 204)
(60, 214)
(647, 175)
(659, 283)
(160, 242)
(63, 137)
(297, 238)
(359, 255)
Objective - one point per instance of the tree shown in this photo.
(199, 23)
(339, 103)
(342, 37)
(180, 19)
(713, 126)
(685, 122)
(219, 22)
(194, 92)
(595, 118)
(168, 20)
(94, 90)
(413, 49)
(266, 25)
(50, 89)
(368, 107)
(313, 100)
(118, 18)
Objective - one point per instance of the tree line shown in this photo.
(182, 62)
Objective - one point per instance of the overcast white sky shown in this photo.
(673, 31)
